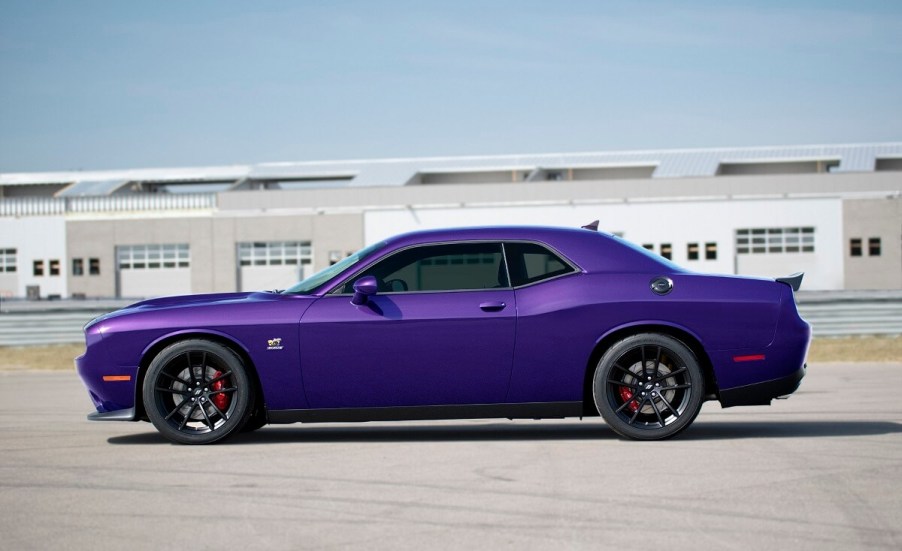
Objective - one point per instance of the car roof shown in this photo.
(591, 250)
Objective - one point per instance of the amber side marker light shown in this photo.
(111, 378)
(751, 358)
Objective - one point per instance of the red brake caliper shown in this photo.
(220, 400)
(626, 394)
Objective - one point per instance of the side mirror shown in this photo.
(364, 288)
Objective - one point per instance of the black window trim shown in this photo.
(575, 269)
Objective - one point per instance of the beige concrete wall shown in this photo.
(212, 241)
(866, 218)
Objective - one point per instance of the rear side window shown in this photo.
(531, 262)
(449, 267)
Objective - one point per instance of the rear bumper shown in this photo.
(760, 394)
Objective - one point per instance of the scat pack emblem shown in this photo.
(274, 344)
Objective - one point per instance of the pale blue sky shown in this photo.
(94, 85)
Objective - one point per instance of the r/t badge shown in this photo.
(274, 344)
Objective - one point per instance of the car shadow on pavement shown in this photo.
(496, 432)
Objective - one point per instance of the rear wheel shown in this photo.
(197, 392)
(648, 387)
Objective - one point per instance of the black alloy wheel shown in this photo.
(197, 392)
(648, 387)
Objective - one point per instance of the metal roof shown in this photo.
(667, 163)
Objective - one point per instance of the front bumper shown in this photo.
(118, 415)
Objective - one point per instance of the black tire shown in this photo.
(197, 392)
(648, 387)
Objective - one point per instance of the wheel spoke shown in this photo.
(187, 416)
(642, 352)
(203, 412)
(632, 385)
(657, 412)
(177, 379)
(221, 377)
(636, 413)
(172, 391)
(223, 390)
(674, 387)
(673, 373)
(657, 364)
(218, 411)
(669, 406)
(633, 398)
(173, 412)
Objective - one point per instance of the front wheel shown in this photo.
(648, 387)
(197, 392)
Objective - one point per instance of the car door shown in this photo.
(439, 331)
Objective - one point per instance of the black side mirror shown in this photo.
(364, 288)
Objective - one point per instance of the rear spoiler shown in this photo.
(794, 280)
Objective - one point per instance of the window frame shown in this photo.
(9, 261)
(574, 268)
(336, 290)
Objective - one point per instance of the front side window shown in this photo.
(450, 267)
(531, 262)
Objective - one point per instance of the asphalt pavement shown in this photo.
(822, 470)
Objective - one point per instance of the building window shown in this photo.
(78, 266)
(275, 253)
(7, 260)
(774, 240)
(666, 251)
(710, 251)
(648, 246)
(38, 269)
(54, 267)
(855, 246)
(874, 246)
(150, 257)
(692, 251)
(94, 266)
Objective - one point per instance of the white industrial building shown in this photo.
(833, 212)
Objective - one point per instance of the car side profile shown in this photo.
(501, 322)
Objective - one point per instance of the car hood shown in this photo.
(183, 301)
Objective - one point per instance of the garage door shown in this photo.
(153, 270)
(267, 265)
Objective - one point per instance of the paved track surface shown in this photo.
(822, 470)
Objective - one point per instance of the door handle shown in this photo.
(492, 306)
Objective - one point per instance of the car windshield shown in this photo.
(310, 284)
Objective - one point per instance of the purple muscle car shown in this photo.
(516, 322)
